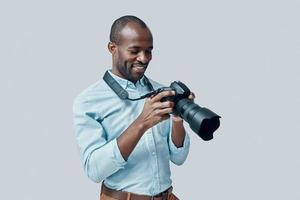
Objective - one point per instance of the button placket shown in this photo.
(152, 150)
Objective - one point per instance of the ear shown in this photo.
(112, 47)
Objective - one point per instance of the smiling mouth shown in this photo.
(140, 67)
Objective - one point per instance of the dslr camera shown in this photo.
(202, 121)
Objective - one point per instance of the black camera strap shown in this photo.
(121, 92)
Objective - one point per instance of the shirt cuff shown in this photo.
(176, 150)
(118, 158)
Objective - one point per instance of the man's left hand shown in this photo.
(176, 118)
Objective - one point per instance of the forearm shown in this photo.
(114, 154)
(130, 137)
(179, 142)
(154, 111)
(104, 161)
(178, 132)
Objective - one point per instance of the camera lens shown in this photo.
(202, 121)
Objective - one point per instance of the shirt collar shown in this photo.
(126, 83)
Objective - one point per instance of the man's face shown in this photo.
(133, 53)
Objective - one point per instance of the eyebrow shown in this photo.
(138, 47)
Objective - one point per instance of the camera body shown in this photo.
(201, 120)
(181, 92)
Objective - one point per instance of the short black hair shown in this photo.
(120, 23)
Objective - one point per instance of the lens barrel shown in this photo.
(202, 121)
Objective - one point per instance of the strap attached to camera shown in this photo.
(121, 92)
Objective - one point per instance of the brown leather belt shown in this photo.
(120, 195)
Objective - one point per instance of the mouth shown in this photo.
(139, 68)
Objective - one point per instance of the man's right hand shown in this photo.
(155, 111)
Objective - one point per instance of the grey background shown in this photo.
(241, 59)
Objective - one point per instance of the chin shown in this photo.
(135, 79)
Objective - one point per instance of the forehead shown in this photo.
(135, 35)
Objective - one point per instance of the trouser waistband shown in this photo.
(121, 195)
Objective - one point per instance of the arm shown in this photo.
(100, 157)
(153, 112)
(178, 131)
(179, 140)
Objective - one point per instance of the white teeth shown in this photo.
(139, 68)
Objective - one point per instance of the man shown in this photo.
(128, 144)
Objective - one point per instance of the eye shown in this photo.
(133, 52)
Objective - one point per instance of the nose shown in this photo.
(144, 57)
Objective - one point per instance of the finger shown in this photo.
(163, 111)
(162, 118)
(163, 94)
(192, 96)
(160, 105)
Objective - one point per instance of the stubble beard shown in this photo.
(135, 71)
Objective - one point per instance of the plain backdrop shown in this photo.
(240, 58)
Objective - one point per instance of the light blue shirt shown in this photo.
(100, 116)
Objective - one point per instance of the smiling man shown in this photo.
(128, 145)
(131, 46)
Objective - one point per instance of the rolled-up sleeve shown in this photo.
(100, 157)
(178, 155)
